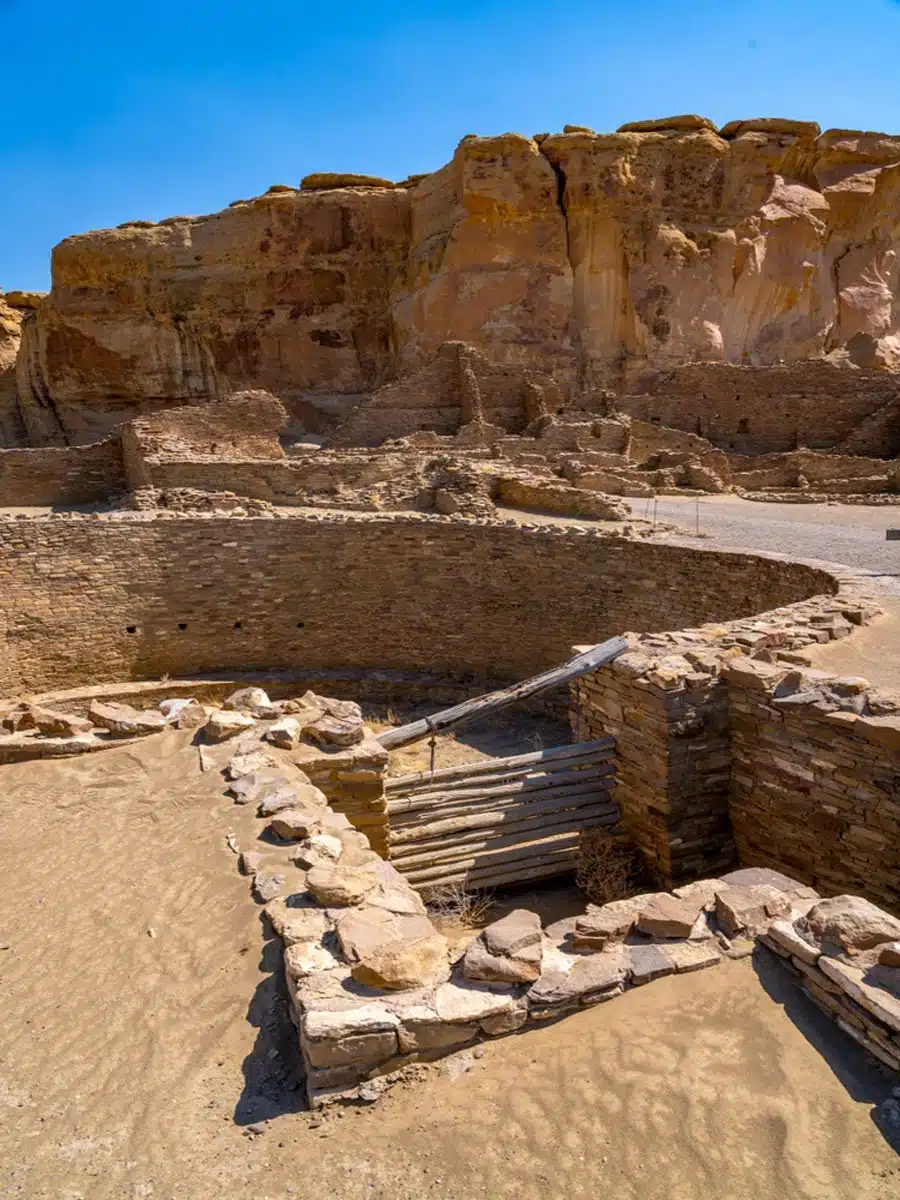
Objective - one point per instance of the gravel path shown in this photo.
(850, 534)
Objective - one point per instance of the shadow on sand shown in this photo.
(864, 1079)
(273, 1072)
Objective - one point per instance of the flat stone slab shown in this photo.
(784, 933)
(649, 962)
(668, 916)
(589, 974)
(455, 1001)
(692, 956)
(852, 981)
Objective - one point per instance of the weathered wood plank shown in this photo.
(480, 706)
(490, 766)
(423, 805)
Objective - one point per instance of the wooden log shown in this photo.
(503, 814)
(447, 851)
(498, 879)
(475, 869)
(484, 819)
(428, 802)
(460, 714)
(478, 783)
(490, 765)
(517, 855)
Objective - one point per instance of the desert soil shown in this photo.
(145, 1039)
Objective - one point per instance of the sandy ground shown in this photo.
(144, 1031)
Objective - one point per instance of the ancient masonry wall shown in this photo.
(668, 703)
(90, 599)
(758, 410)
(63, 475)
(816, 789)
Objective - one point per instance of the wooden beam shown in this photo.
(490, 766)
(469, 710)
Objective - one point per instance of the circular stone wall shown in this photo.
(87, 600)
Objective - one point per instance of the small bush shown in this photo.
(608, 866)
(451, 905)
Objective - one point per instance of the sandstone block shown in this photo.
(306, 957)
(320, 850)
(296, 920)
(602, 925)
(750, 910)
(222, 725)
(294, 825)
(334, 731)
(124, 721)
(250, 763)
(507, 951)
(784, 933)
(668, 917)
(691, 956)
(588, 977)
(851, 924)
(423, 1030)
(360, 1050)
(470, 1002)
(647, 963)
(55, 724)
(852, 982)
(340, 886)
(252, 700)
(285, 733)
(889, 954)
(266, 886)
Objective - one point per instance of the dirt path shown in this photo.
(144, 1031)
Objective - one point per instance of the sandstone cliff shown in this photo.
(599, 259)
(11, 431)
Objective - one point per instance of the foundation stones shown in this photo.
(609, 923)
(266, 886)
(647, 963)
(507, 951)
(750, 910)
(320, 850)
(591, 978)
(386, 950)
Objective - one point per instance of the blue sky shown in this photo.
(115, 110)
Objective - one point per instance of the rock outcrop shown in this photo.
(595, 259)
(11, 429)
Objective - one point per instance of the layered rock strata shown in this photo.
(591, 258)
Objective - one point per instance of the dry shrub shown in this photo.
(608, 866)
(452, 906)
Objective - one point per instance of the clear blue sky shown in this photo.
(122, 109)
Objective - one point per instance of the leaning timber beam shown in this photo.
(460, 714)
(557, 756)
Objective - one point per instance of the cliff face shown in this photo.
(11, 431)
(601, 259)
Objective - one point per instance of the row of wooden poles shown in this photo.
(500, 821)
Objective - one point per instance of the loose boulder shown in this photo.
(285, 733)
(223, 725)
(507, 951)
(252, 700)
(340, 886)
(667, 916)
(335, 731)
(850, 925)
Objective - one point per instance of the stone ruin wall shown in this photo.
(669, 259)
(496, 600)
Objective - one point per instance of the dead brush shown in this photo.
(608, 866)
(450, 905)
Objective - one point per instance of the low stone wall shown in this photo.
(125, 597)
(667, 704)
(816, 778)
(61, 475)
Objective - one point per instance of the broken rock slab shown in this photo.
(250, 763)
(750, 910)
(340, 886)
(850, 925)
(319, 850)
(609, 923)
(222, 725)
(386, 950)
(666, 916)
(285, 733)
(252, 700)
(124, 721)
(335, 731)
(507, 951)
(294, 824)
(56, 724)
(589, 979)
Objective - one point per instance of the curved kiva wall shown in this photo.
(89, 600)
